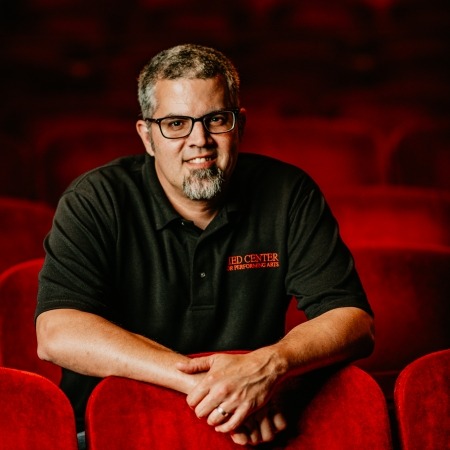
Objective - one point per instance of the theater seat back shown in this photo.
(23, 227)
(35, 413)
(408, 288)
(18, 344)
(336, 409)
(422, 402)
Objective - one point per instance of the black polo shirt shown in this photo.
(118, 249)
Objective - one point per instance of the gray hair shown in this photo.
(185, 61)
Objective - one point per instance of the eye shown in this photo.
(217, 119)
(176, 123)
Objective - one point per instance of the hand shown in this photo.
(262, 426)
(237, 383)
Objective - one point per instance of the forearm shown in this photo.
(342, 334)
(91, 345)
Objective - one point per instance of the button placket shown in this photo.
(202, 293)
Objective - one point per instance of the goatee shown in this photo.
(203, 184)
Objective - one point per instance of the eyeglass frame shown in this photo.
(234, 111)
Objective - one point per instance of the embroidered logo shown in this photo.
(253, 261)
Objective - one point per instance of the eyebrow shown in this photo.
(195, 117)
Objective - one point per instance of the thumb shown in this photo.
(195, 365)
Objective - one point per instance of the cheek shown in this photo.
(230, 156)
(164, 148)
(152, 148)
(149, 144)
(169, 162)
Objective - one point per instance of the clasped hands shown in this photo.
(235, 395)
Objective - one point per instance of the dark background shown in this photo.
(382, 64)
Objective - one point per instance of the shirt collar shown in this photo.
(162, 210)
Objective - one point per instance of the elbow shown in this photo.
(46, 336)
(366, 342)
(43, 352)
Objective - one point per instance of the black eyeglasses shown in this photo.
(217, 122)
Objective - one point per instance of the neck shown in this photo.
(197, 211)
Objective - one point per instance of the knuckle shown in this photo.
(247, 405)
(210, 378)
(221, 391)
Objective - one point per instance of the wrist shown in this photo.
(190, 381)
(274, 360)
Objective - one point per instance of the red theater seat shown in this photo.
(70, 146)
(408, 289)
(336, 153)
(392, 215)
(23, 227)
(18, 345)
(16, 178)
(422, 403)
(338, 409)
(35, 413)
(422, 158)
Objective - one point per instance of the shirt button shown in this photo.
(202, 274)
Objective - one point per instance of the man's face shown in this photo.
(195, 166)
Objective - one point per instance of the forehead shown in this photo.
(190, 96)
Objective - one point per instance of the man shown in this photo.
(192, 248)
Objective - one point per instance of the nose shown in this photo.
(199, 136)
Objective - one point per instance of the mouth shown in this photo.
(201, 161)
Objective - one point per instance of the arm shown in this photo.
(241, 384)
(90, 345)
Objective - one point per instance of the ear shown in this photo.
(242, 120)
(144, 133)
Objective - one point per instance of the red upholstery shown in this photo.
(69, 146)
(392, 215)
(23, 227)
(422, 403)
(35, 413)
(335, 153)
(422, 158)
(408, 289)
(15, 167)
(341, 410)
(18, 292)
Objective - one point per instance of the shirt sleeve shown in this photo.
(78, 265)
(321, 273)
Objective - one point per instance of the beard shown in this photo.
(203, 184)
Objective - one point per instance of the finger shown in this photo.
(255, 435)
(266, 429)
(235, 420)
(218, 416)
(205, 404)
(196, 396)
(240, 437)
(195, 365)
(279, 422)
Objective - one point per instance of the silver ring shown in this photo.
(222, 411)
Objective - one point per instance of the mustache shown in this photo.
(205, 174)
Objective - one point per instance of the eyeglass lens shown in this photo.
(217, 122)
